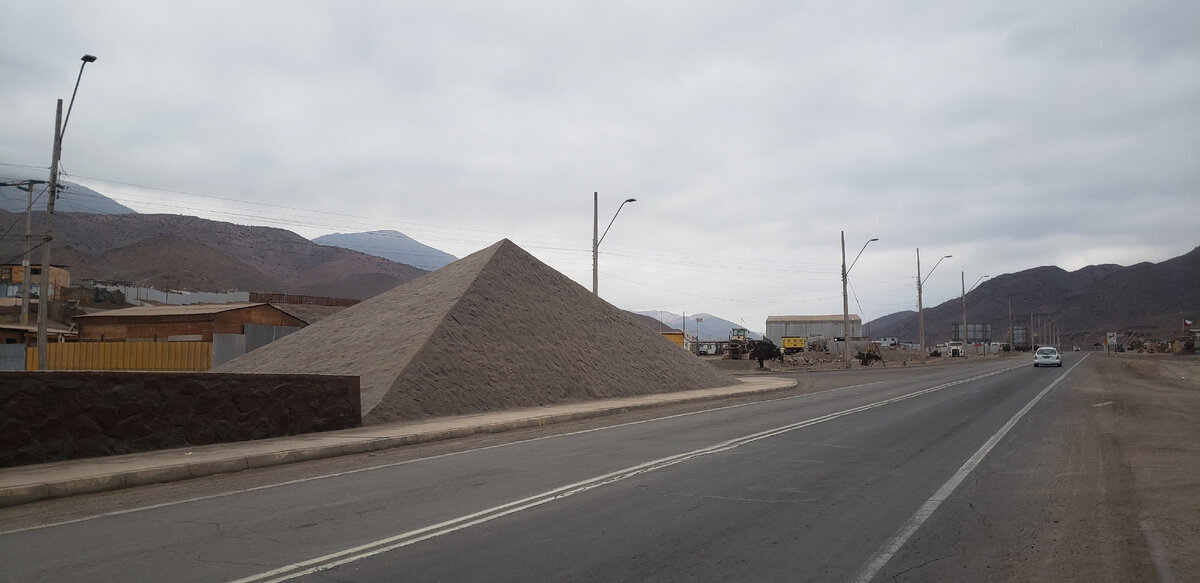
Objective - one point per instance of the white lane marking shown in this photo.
(404, 539)
(405, 462)
(1103, 404)
(893, 545)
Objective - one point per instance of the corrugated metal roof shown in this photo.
(33, 328)
(828, 318)
(308, 313)
(157, 311)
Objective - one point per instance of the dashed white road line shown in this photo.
(406, 462)
(893, 545)
(364, 551)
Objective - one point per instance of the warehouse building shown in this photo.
(810, 327)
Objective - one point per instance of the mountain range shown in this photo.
(1148, 300)
(194, 254)
(711, 327)
(72, 197)
(99, 238)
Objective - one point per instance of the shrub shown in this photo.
(866, 358)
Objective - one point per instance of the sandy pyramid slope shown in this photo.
(497, 329)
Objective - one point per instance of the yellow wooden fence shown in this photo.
(159, 356)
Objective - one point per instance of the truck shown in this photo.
(792, 344)
(955, 348)
(737, 343)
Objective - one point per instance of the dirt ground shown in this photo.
(830, 361)
(1101, 482)
(1154, 428)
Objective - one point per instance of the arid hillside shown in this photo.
(1144, 300)
(189, 253)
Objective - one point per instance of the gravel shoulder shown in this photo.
(1098, 483)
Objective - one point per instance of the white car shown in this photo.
(1047, 356)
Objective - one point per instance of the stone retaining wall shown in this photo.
(53, 416)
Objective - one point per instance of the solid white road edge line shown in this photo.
(391, 543)
(406, 462)
(893, 545)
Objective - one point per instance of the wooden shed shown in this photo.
(179, 323)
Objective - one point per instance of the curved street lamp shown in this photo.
(964, 307)
(920, 305)
(596, 240)
(60, 127)
(846, 297)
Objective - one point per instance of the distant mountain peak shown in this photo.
(711, 327)
(392, 245)
(72, 197)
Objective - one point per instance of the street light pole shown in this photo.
(846, 296)
(920, 305)
(60, 126)
(44, 284)
(597, 240)
(964, 307)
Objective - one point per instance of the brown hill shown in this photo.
(1147, 299)
(189, 253)
(497, 329)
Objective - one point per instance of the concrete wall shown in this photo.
(142, 296)
(12, 357)
(52, 416)
(829, 329)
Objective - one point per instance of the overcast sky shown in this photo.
(1010, 135)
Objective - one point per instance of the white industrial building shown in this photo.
(810, 327)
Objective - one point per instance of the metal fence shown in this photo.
(146, 356)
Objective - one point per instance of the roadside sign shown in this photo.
(1112, 338)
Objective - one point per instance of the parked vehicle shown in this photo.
(738, 339)
(955, 348)
(1047, 356)
(793, 344)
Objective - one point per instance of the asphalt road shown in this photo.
(867, 482)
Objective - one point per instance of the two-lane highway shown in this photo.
(822, 486)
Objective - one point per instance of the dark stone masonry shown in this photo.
(54, 416)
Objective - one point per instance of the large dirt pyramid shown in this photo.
(497, 329)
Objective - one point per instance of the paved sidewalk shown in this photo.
(25, 484)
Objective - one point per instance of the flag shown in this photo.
(1187, 323)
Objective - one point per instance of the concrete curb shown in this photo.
(171, 472)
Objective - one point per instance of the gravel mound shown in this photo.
(495, 330)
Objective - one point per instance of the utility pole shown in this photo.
(25, 255)
(845, 307)
(920, 310)
(60, 127)
(846, 298)
(598, 237)
(1010, 327)
(595, 243)
(44, 286)
(920, 306)
(964, 311)
(25, 271)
